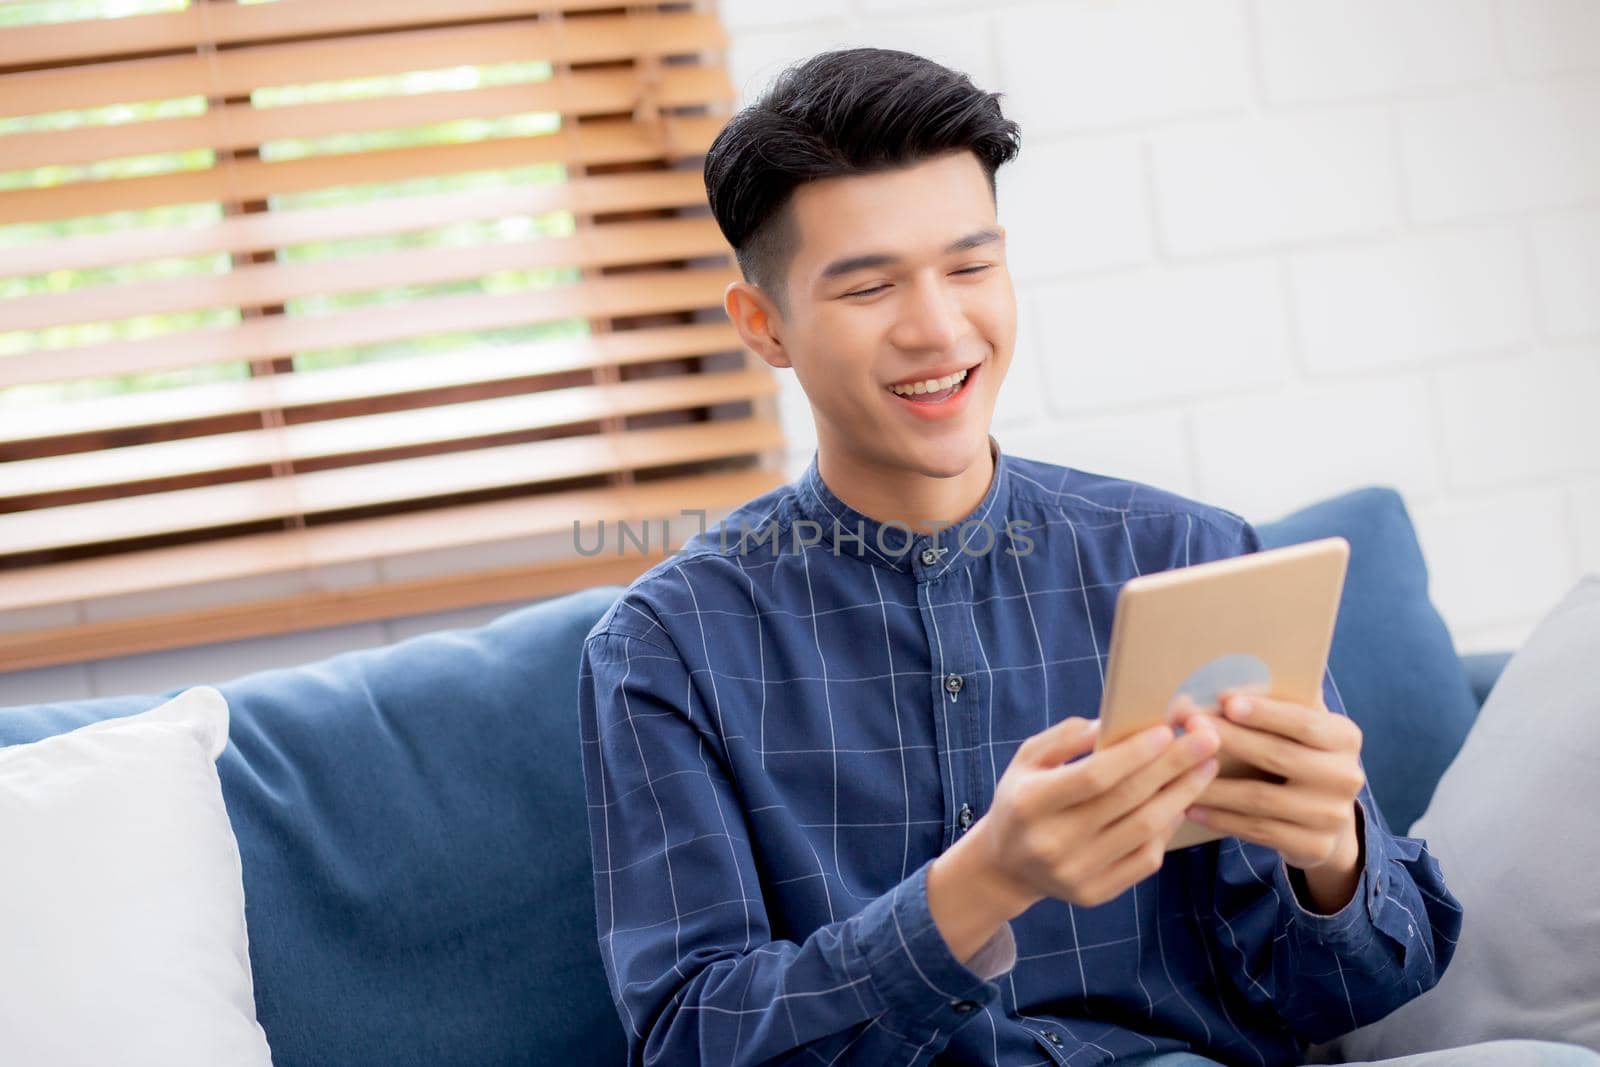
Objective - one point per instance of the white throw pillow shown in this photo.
(122, 931)
(1512, 825)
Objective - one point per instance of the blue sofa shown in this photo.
(412, 819)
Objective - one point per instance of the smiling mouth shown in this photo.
(935, 390)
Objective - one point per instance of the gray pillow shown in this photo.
(1513, 825)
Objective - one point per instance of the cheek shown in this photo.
(835, 364)
(996, 322)
(849, 328)
(843, 349)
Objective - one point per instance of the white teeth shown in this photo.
(932, 385)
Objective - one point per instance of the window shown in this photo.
(291, 283)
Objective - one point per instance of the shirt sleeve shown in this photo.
(693, 967)
(1324, 975)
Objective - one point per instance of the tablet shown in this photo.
(1261, 623)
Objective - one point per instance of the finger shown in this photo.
(1186, 715)
(1286, 803)
(1123, 873)
(1282, 757)
(1075, 783)
(1182, 708)
(1285, 838)
(1177, 759)
(1313, 727)
(1156, 818)
(1060, 742)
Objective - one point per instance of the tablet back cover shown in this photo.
(1261, 622)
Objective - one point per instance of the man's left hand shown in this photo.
(1310, 816)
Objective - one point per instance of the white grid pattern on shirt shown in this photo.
(724, 770)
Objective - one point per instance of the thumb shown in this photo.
(1062, 741)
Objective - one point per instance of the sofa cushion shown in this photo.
(1512, 826)
(410, 822)
(1392, 658)
(124, 939)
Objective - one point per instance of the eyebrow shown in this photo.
(884, 259)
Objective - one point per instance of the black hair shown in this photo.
(852, 111)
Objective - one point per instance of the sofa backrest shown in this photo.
(1393, 660)
(415, 849)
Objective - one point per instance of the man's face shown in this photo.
(899, 277)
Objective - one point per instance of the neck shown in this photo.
(922, 502)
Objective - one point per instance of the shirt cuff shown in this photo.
(1376, 905)
(923, 988)
(1351, 924)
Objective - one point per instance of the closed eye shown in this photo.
(879, 288)
(868, 292)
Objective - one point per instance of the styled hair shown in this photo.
(852, 111)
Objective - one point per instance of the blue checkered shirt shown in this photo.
(784, 723)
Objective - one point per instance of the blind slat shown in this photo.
(237, 72)
(276, 283)
(592, 144)
(381, 483)
(91, 39)
(241, 125)
(286, 392)
(643, 293)
(320, 608)
(377, 433)
(313, 547)
(642, 191)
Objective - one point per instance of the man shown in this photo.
(844, 801)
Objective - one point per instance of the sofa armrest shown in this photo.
(1483, 670)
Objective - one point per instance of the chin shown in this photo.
(949, 460)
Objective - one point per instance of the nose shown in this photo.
(930, 317)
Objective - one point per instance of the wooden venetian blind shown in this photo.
(359, 278)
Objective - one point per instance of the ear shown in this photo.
(756, 318)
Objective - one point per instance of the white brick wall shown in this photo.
(1520, 420)
(1163, 333)
(1080, 205)
(1265, 251)
(1549, 35)
(1510, 148)
(1317, 50)
(1503, 558)
(1378, 306)
(1586, 519)
(1075, 66)
(1567, 251)
(1270, 180)
(1265, 452)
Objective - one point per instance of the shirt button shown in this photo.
(930, 556)
(964, 817)
(1053, 1037)
(952, 683)
(964, 1007)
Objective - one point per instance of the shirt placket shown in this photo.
(954, 692)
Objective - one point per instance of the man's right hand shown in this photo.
(1071, 823)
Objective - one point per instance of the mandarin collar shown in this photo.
(892, 544)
